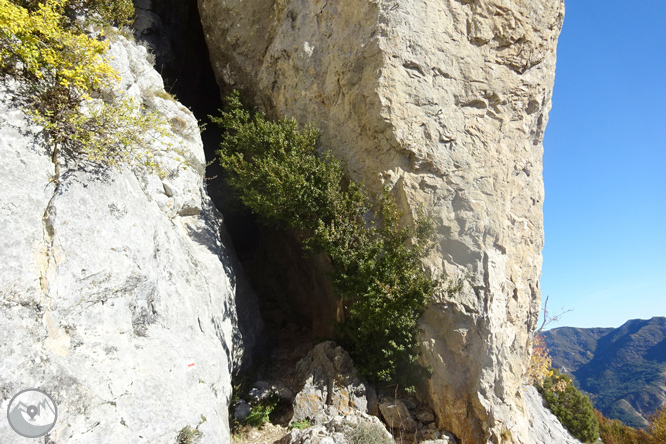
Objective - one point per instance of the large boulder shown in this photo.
(329, 386)
(396, 415)
(117, 292)
(333, 401)
(445, 102)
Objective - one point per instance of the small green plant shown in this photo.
(368, 433)
(571, 407)
(162, 94)
(108, 134)
(300, 425)
(261, 411)
(377, 266)
(188, 435)
(112, 33)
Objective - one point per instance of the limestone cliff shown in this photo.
(446, 102)
(117, 293)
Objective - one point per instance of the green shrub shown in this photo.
(376, 265)
(274, 169)
(612, 431)
(108, 134)
(119, 13)
(60, 67)
(261, 411)
(573, 409)
(368, 433)
(300, 425)
(188, 435)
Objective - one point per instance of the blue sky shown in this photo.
(605, 165)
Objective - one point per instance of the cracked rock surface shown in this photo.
(117, 294)
(445, 102)
(329, 385)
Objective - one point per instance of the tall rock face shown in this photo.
(117, 292)
(446, 102)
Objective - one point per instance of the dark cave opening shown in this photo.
(294, 295)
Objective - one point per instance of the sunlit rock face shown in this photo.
(445, 102)
(117, 292)
(544, 427)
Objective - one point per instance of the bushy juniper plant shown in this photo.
(377, 267)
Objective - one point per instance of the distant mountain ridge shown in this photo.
(622, 369)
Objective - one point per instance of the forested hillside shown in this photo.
(622, 369)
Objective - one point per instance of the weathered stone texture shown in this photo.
(116, 292)
(396, 416)
(544, 427)
(446, 102)
(329, 386)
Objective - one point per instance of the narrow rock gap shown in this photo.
(48, 225)
(289, 287)
(297, 302)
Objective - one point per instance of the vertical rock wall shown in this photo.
(445, 101)
(117, 292)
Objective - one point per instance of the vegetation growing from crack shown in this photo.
(377, 266)
(60, 68)
(300, 425)
(261, 411)
(189, 435)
